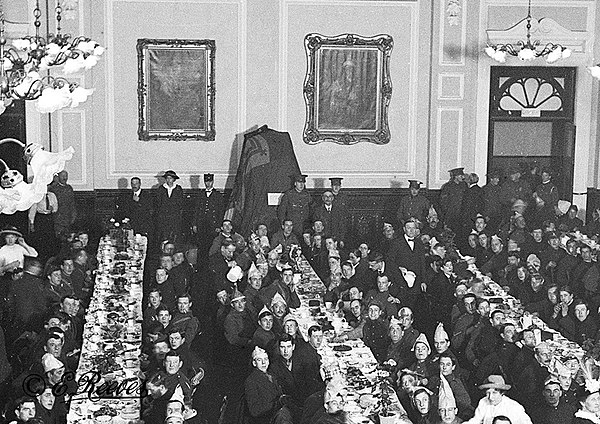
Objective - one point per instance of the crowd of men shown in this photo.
(414, 297)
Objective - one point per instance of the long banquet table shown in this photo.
(109, 386)
(352, 360)
(359, 358)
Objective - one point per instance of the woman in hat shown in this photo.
(12, 254)
(497, 403)
(169, 205)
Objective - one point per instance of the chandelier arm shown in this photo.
(33, 92)
(549, 48)
(511, 49)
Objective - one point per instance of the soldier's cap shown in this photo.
(376, 302)
(299, 178)
(414, 184)
(336, 181)
(456, 171)
(209, 177)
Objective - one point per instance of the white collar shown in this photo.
(137, 193)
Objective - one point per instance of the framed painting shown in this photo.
(347, 88)
(176, 89)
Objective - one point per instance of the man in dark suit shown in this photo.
(286, 369)
(333, 215)
(472, 205)
(409, 253)
(137, 206)
(398, 287)
(208, 216)
(263, 393)
(309, 364)
(221, 262)
(26, 297)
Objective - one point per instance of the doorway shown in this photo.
(531, 122)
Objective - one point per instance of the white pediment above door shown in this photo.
(546, 30)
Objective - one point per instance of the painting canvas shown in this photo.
(347, 88)
(176, 89)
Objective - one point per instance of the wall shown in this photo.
(438, 112)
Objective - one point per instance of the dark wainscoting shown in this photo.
(368, 208)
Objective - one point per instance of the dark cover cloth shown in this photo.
(266, 163)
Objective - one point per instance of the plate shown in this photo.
(342, 348)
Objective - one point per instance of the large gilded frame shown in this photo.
(176, 89)
(347, 88)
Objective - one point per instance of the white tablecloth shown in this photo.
(109, 366)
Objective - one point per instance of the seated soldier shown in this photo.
(375, 331)
(263, 393)
(176, 378)
(192, 367)
(389, 303)
(184, 320)
(264, 337)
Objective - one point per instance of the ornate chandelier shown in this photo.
(528, 50)
(23, 62)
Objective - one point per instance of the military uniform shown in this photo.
(340, 199)
(413, 206)
(451, 201)
(208, 217)
(295, 206)
(549, 194)
(492, 207)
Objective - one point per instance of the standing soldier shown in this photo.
(492, 209)
(336, 187)
(66, 214)
(546, 198)
(295, 204)
(415, 205)
(451, 199)
(208, 216)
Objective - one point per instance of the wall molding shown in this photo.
(83, 132)
(413, 6)
(112, 173)
(461, 81)
(463, 34)
(438, 153)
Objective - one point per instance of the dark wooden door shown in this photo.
(531, 121)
